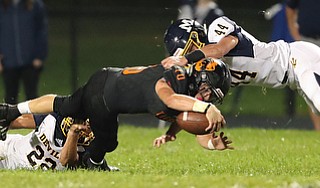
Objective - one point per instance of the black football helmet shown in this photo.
(181, 34)
(214, 73)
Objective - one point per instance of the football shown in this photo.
(193, 122)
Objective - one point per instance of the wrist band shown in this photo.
(200, 106)
(205, 111)
(195, 56)
(210, 145)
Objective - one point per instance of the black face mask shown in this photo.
(202, 77)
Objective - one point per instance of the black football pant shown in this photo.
(88, 102)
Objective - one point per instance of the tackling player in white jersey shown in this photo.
(251, 62)
(54, 144)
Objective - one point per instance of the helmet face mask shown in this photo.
(211, 74)
(184, 35)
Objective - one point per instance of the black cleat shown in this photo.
(89, 165)
(4, 123)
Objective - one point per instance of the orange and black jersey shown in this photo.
(112, 91)
(132, 90)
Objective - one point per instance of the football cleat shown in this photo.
(4, 123)
(88, 164)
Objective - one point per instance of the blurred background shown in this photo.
(87, 35)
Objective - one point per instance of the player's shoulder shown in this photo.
(177, 78)
(223, 21)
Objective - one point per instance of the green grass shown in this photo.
(262, 158)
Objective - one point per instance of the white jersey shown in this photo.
(274, 64)
(36, 150)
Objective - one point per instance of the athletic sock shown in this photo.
(23, 107)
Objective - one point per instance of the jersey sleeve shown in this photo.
(177, 79)
(220, 28)
(223, 27)
(38, 119)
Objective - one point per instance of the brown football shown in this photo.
(193, 122)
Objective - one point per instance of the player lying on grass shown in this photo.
(251, 62)
(112, 91)
(55, 143)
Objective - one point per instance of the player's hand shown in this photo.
(213, 142)
(174, 60)
(77, 128)
(215, 118)
(163, 139)
(221, 142)
(37, 63)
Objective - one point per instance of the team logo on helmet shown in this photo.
(183, 35)
(205, 65)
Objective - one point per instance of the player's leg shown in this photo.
(63, 105)
(30, 77)
(103, 119)
(11, 79)
(306, 64)
(9, 112)
(105, 131)
(9, 157)
(310, 85)
(307, 71)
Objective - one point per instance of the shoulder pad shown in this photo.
(177, 79)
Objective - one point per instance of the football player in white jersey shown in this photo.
(251, 62)
(54, 144)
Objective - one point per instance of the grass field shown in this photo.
(262, 158)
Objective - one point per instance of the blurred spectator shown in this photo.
(304, 20)
(23, 46)
(186, 9)
(304, 24)
(204, 11)
(280, 31)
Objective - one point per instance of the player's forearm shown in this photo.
(68, 154)
(24, 121)
(221, 48)
(293, 26)
(173, 129)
